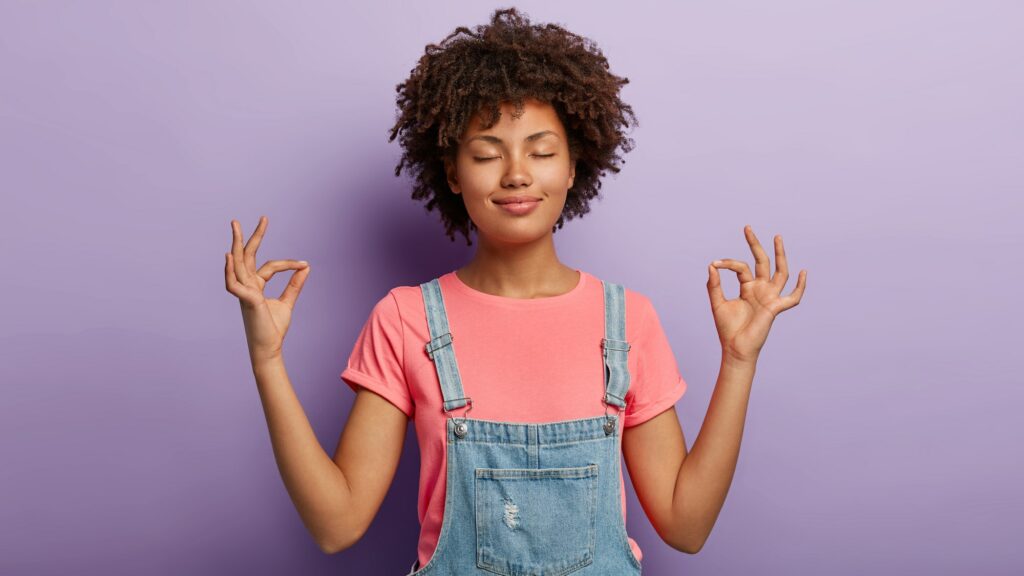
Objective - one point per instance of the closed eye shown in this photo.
(486, 158)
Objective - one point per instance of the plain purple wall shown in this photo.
(883, 140)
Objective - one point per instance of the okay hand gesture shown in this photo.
(743, 323)
(266, 320)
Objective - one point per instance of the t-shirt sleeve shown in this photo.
(377, 359)
(657, 385)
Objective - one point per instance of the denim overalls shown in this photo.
(528, 499)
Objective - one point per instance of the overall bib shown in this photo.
(526, 499)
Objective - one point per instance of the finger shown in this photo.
(761, 262)
(715, 287)
(738, 266)
(294, 287)
(236, 253)
(797, 294)
(229, 274)
(272, 267)
(781, 265)
(230, 280)
(253, 244)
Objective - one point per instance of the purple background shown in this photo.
(883, 140)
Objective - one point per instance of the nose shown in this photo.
(516, 175)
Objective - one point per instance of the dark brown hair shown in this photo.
(509, 60)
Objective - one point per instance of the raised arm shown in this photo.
(337, 499)
(682, 493)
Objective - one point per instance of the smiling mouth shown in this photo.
(519, 208)
(521, 200)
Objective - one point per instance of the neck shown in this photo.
(529, 270)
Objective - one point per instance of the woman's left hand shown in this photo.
(743, 323)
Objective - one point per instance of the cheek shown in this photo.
(474, 176)
(476, 187)
(556, 179)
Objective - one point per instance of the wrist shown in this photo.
(739, 362)
(269, 363)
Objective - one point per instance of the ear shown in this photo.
(452, 175)
(572, 174)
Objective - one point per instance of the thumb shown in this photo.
(291, 292)
(715, 287)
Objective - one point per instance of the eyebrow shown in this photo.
(496, 140)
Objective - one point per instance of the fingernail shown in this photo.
(303, 262)
(717, 262)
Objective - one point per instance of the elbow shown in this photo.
(333, 544)
(685, 532)
(691, 547)
(687, 543)
(329, 547)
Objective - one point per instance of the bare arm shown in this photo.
(682, 494)
(336, 498)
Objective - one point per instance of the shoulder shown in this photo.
(406, 297)
(639, 300)
(639, 310)
(638, 304)
(639, 307)
(398, 303)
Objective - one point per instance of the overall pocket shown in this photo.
(535, 522)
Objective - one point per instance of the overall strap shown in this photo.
(440, 347)
(616, 348)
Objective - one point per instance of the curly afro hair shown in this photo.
(509, 60)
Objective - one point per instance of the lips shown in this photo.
(518, 205)
(516, 199)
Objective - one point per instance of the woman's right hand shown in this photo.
(266, 320)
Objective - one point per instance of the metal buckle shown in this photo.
(460, 427)
(441, 343)
(609, 422)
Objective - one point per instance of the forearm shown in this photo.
(314, 482)
(706, 473)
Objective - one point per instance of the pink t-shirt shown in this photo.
(521, 360)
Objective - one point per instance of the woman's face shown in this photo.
(526, 157)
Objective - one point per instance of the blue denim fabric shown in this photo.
(529, 499)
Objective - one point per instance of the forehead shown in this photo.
(536, 116)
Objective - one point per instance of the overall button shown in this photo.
(460, 429)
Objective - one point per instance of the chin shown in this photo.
(516, 235)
